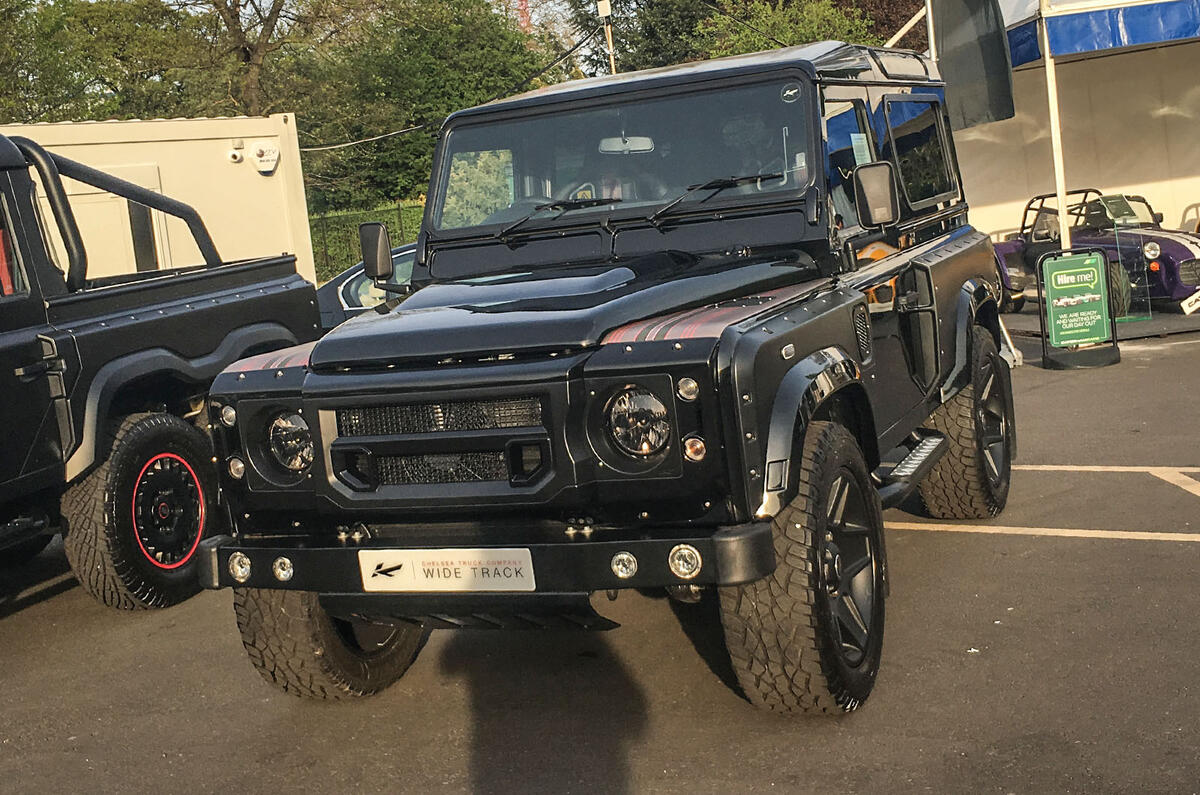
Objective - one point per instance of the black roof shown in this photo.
(824, 60)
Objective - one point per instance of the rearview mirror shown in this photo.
(875, 194)
(626, 145)
(1158, 218)
(376, 251)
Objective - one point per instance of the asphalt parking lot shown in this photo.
(1052, 649)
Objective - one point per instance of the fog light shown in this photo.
(694, 449)
(624, 565)
(237, 468)
(688, 389)
(228, 416)
(239, 566)
(684, 561)
(282, 569)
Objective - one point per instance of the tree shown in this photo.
(797, 22)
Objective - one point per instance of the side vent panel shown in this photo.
(862, 330)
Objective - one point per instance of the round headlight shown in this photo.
(1151, 249)
(637, 422)
(290, 441)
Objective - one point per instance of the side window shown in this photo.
(360, 291)
(916, 141)
(847, 145)
(12, 276)
(481, 184)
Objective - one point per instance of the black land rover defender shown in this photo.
(102, 382)
(690, 328)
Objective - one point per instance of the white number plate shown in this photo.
(446, 570)
(1191, 303)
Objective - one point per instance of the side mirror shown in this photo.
(1158, 218)
(875, 194)
(376, 251)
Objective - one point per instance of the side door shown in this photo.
(31, 457)
(880, 267)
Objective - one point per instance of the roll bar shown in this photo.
(51, 167)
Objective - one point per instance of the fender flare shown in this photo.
(120, 372)
(804, 389)
(976, 306)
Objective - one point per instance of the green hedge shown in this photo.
(335, 235)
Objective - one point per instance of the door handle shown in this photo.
(33, 370)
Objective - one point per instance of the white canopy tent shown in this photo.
(1115, 106)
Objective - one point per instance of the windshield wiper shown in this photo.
(715, 185)
(562, 205)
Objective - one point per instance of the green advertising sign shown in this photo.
(1076, 300)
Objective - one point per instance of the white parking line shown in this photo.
(1093, 468)
(1176, 476)
(1055, 532)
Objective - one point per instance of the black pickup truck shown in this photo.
(692, 328)
(102, 382)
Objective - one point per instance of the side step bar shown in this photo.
(902, 479)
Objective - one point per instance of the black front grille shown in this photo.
(411, 470)
(460, 415)
(1189, 271)
(862, 330)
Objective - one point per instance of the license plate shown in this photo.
(446, 570)
(1191, 303)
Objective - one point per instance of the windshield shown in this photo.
(643, 153)
(1109, 211)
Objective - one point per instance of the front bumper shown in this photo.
(730, 556)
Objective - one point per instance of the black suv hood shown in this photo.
(550, 310)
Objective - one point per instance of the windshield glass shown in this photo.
(644, 153)
(1109, 211)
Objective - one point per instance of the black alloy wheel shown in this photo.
(168, 511)
(992, 411)
(849, 564)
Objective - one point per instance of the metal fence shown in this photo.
(335, 235)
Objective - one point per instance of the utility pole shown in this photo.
(604, 11)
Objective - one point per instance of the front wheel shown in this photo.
(301, 649)
(132, 526)
(808, 638)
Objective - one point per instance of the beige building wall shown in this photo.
(250, 209)
(1130, 125)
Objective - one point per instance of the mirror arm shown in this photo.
(396, 289)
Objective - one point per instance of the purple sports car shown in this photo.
(1159, 263)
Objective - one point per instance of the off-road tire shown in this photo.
(960, 485)
(300, 649)
(780, 631)
(99, 533)
(24, 551)
(1120, 289)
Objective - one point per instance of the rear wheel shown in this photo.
(300, 649)
(971, 480)
(808, 638)
(132, 526)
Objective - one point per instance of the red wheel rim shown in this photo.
(168, 511)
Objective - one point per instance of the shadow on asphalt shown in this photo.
(550, 712)
(701, 622)
(35, 581)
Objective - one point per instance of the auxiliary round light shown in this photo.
(624, 565)
(228, 416)
(688, 389)
(239, 566)
(1151, 249)
(290, 441)
(684, 561)
(694, 449)
(638, 422)
(282, 569)
(237, 468)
